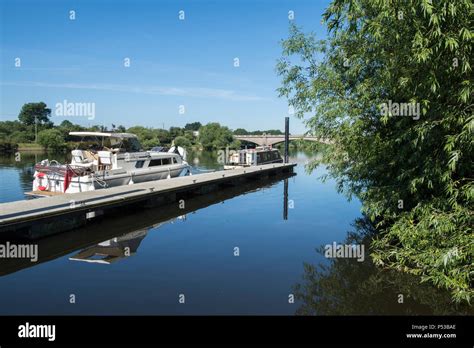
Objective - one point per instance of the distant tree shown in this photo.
(66, 124)
(274, 132)
(163, 135)
(66, 127)
(176, 132)
(39, 110)
(193, 126)
(20, 137)
(149, 143)
(121, 129)
(190, 136)
(214, 136)
(182, 141)
(148, 137)
(241, 131)
(8, 127)
(51, 139)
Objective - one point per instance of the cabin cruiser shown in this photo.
(253, 157)
(106, 159)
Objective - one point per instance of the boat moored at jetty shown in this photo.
(253, 157)
(106, 159)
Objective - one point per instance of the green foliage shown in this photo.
(193, 126)
(7, 146)
(148, 137)
(183, 142)
(67, 126)
(268, 131)
(241, 131)
(51, 139)
(306, 146)
(31, 110)
(213, 136)
(21, 137)
(414, 176)
(121, 129)
(190, 136)
(176, 132)
(15, 132)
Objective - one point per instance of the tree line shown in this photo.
(34, 126)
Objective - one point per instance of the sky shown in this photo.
(180, 71)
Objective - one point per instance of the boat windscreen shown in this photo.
(99, 143)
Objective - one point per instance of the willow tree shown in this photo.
(391, 85)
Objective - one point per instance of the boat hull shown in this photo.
(54, 183)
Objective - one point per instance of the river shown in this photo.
(231, 252)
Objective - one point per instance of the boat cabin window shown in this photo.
(130, 145)
(264, 157)
(155, 162)
(160, 162)
(175, 160)
(95, 143)
(139, 164)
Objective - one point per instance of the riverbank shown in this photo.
(30, 147)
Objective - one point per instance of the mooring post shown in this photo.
(287, 137)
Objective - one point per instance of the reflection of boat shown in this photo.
(253, 157)
(113, 249)
(124, 225)
(106, 160)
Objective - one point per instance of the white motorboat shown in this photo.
(106, 159)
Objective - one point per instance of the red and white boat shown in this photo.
(107, 160)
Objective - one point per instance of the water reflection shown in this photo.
(347, 287)
(117, 248)
(110, 239)
(112, 250)
(24, 166)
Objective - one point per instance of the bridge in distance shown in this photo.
(272, 139)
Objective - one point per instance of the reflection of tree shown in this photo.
(204, 160)
(26, 163)
(347, 287)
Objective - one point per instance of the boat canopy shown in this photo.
(101, 134)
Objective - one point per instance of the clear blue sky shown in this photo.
(173, 62)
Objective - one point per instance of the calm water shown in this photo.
(193, 254)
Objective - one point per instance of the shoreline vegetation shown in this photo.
(410, 163)
(19, 135)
